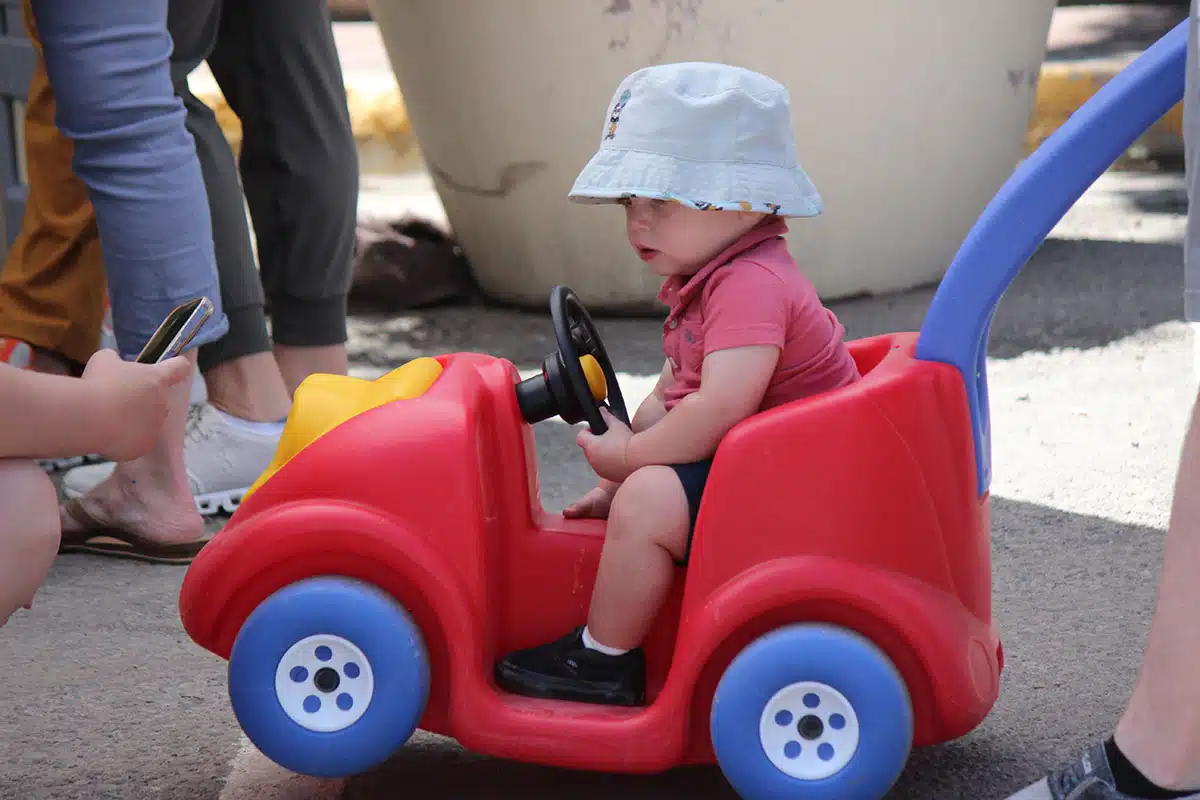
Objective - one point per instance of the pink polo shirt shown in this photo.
(754, 294)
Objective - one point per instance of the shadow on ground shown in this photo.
(1133, 28)
(1072, 294)
(1073, 631)
(1165, 195)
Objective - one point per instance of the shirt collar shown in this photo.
(684, 287)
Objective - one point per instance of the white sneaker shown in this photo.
(223, 459)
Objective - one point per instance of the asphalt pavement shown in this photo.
(1091, 381)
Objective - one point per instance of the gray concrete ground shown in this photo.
(1091, 382)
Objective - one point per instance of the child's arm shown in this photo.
(50, 416)
(652, 410)
(733, 382)
(654, 407)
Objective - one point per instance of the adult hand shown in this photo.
(132, 400)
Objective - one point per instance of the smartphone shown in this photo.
(180, 326)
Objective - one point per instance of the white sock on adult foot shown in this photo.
(261, 428)
(592, 644)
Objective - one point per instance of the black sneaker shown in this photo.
(1088, 778)
(567, 670)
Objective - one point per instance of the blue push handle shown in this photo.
(1028, 206)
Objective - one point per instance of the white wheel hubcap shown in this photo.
(809, 730)
(324, 683)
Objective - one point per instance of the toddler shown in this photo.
(116, 408)
(702, 157)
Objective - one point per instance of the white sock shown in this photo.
(592, 644)
(261, 428)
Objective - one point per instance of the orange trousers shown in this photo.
(52, 288)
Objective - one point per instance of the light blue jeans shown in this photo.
(108, 63)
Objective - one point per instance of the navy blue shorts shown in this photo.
(693, 476)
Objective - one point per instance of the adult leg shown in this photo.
(254, 388)
(52, 285)
(242, 376)
(29, 533)
(108, 65)
(1155, 750)
(231, 439)
(277, 65)
(77, 264)
(1160, 729)
(239, 370)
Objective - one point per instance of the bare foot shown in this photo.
(148, 497)
(594, 504)
(141, 502)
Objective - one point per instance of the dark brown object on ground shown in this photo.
(349, 10)
(407, 263)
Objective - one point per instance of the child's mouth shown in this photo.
(646, 253)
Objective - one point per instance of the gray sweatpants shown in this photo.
(277, 66)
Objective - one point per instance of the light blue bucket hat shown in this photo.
(709, 136)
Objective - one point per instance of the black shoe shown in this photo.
(567, 670)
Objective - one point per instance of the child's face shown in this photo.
(674, 239)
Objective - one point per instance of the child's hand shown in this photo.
(594, 504)
(606, 453)
(134, 400)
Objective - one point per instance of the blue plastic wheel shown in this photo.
(329, 677)
(811, 712)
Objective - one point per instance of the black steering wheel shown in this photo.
(563, 388)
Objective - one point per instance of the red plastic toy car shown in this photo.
(397, 549)
(836, 610)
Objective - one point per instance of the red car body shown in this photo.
(858, 507)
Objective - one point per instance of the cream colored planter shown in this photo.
(909, 115)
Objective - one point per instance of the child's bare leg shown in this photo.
(602, 662)
(647, 535)
(29, 532)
